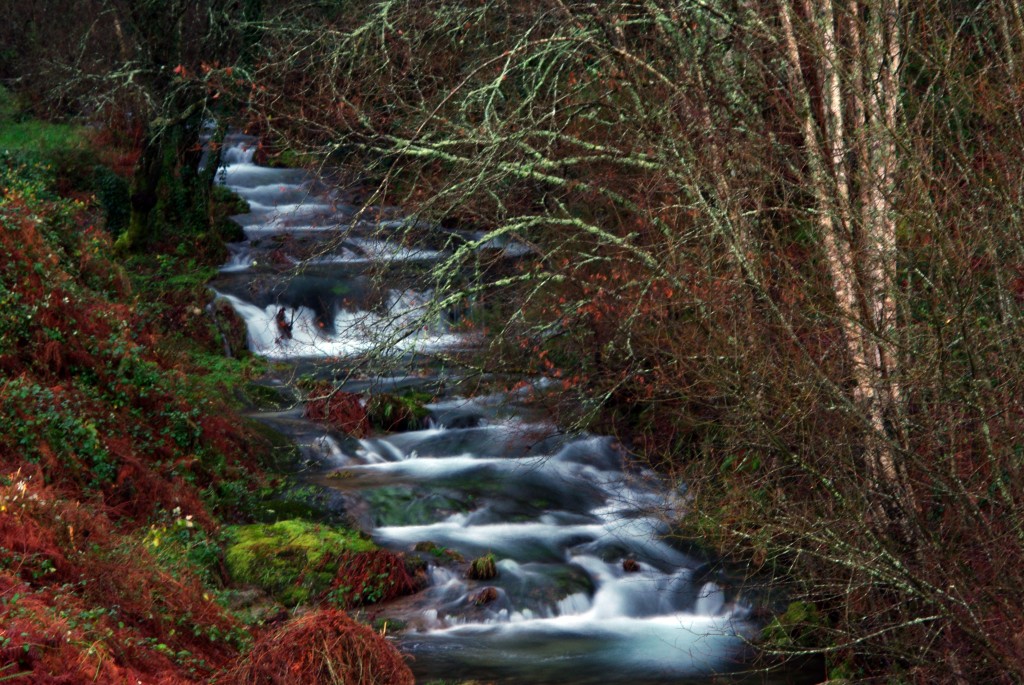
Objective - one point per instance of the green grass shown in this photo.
(23, 134)
(58, 149)
(40, 136)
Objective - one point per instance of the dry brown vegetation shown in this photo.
(119, 458)
(334, 650)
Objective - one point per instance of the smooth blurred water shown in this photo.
(589, 589)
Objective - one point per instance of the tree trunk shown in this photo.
(145, 182)
(857, 232)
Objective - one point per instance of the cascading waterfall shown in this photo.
(588, 590)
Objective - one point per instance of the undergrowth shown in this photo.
(121, 450)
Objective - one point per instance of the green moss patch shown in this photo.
(799, 626)
(223, 204)
(279, 453)
(63, 148)
(41, 137)
(293, 560)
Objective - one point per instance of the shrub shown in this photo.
(397, 412)
(341, 410)
(370, 577)
(112, 192)
(326, 647)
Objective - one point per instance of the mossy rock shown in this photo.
(294, 560)
(440, 554)
(232, 334)
(799, 625)
(228, 231)
(292, 159)
(225, 203)
(284, 505)
(259, 396)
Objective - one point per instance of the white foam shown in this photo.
(710, 600)
(517, 540)
(240, 260)
(387, 251)
(354, 333)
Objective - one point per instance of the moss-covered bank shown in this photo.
(290, 559)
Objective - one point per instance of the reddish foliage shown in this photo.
(46, 649)
(138, 491)
(222, 434)
(119, 143)
(82, 603)
(322, 647)
(75, 329)
(153, 603)
(367, 577)
(103, 438)
(27, 539)
(343, 411)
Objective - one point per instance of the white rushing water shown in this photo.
(589, 590)
(352, 333)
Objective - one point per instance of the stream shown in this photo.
(589, 589)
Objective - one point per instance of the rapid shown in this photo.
(590, 585)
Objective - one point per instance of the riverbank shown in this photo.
(125, 451)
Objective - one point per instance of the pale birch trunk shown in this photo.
(885, 60)
(857, 230)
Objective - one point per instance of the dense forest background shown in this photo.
(775, 246)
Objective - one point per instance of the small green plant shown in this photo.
(181, 547)
(397, 412)
(483, 568)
